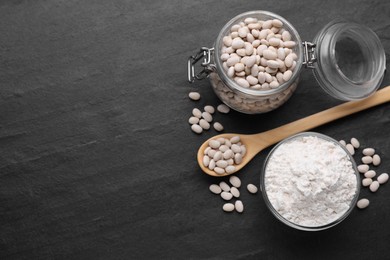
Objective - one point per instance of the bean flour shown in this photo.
(310, 181)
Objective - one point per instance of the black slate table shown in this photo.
(97, 160)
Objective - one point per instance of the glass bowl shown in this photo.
(306, 193)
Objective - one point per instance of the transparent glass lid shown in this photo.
(351, 61)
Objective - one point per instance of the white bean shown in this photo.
(209, 109)
(286, 36)
(289, 44)
(235, 139)
(366, 182)
(197, 128)
(218, 126)
(367, 159)
(252, 188)
(363, 168)
(197, 113)
(212, 164)
(224, 186)
(235, 192)
(206, 160)
(376, 160)
(355, 142)
(235, 181)
(250, 62)
(219, 170)
(242, 82)
(230, 169)
(226, 195)
(228, 207)
(215, 144)
(363, 203)
(370, 174)
(228, 154)
(383, 178)
(287, 75)
(193, 120)
(227, 40)
(214, 188)
(237, 158)
(374, 186)
(239, 206)
(207, 116)
(350, 149)
(222, 164)
(238, 43)
(194, 95)
(288, 61)
(232, 61)
(270, 55)
(342, 142)
(204, 124)
(369, 151)
(217, 156)
(252, 80)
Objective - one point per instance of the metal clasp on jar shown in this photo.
(204, 53)
(309, 57)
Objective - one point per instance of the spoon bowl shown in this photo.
(255, 143)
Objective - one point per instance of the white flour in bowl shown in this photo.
(310, 181)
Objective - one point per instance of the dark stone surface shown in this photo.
(97, 160)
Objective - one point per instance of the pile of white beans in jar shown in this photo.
(257, 55)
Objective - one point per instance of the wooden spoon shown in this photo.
(257, 142)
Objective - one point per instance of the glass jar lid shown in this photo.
(350, 60)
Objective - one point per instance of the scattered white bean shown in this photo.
(207, 116)
(209, 109)
(374, 186)
(369, 151)
(363, 168)
(194, 96)
(382, 178)
(197, 128)
(363, 203)
(197, 113)
(239, 206)
(252, 188)
(214, 188)
(218, 126)
(235, 192)
(224, 186)
(226, 195)
(370, 174)
(376, 160)
(355, 142)
(367, 159)
(204, 124)
(222, 108)
(343, 142)
(350, 149)
(366, 182)
(235, 181)
(228, 207)
(193, 120)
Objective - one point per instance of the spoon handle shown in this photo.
(277, 134)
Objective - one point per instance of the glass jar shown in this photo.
(347, 59)
(283, 217)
